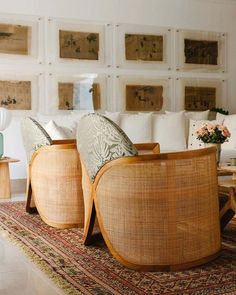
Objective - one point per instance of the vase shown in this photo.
(218, 150)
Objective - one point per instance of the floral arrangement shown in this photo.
(213, 133)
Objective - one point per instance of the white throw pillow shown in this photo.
(114, 116)
(65, 120)
(194, 125)
(230, 123)
(197, 115)
(194, 116)
(169, 131)
(55, 131)
(138, 127)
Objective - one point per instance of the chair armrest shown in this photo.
(63, 141)
(148, 148)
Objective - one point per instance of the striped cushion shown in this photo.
(99, 140)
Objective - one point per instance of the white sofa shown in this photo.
(174, 131)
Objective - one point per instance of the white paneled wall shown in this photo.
(207, 15)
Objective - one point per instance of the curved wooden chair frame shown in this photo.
(54, 185)
(207, 235)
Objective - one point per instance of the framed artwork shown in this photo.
(68, 95)
(199, 98)
(143, 46)
(14, 39)
(20, 93)
(78, 91)
(200, 94)
(200, 50)
(144, 94)
(74, 42)
(15, 95)
(79, 45)
(143, 98)
(21, 39)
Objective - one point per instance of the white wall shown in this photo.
(212, 15)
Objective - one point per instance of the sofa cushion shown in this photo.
(138, 127)
(55, 131)
(169, 131)
(230, 122)
(100, 140)
(197, 115)
(114, 116)
(65, 120)
(194, 116)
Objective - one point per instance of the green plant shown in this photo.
(220, 110)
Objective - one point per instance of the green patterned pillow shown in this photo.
(99, 140)
(34, 136)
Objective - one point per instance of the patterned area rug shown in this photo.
(92, 270)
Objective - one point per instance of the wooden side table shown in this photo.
(228, 169)
(5, 188)
(227, 187)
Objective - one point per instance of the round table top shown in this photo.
(228, 168)
(8, 160)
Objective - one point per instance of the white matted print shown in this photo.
(201, 50)
(82, 43)
(79, 91)
(21, 39)
(144, 94)
(20, 93)
(139, 46)
(199, 94)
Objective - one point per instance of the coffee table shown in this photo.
(5, 187)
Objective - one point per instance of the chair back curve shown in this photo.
(34, 136)
(162, 212)
(100, 140)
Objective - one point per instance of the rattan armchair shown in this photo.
(155, 211)
(54, 178)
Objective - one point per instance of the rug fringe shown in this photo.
(42, 265)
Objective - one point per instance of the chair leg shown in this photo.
(89, 237)
(226, 211)
(30, 206)
(225, 219)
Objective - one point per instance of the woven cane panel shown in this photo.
(56, 183)
(161, 212)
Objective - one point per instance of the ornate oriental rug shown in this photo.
(78, 269)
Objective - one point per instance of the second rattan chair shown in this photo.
(54, 177)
